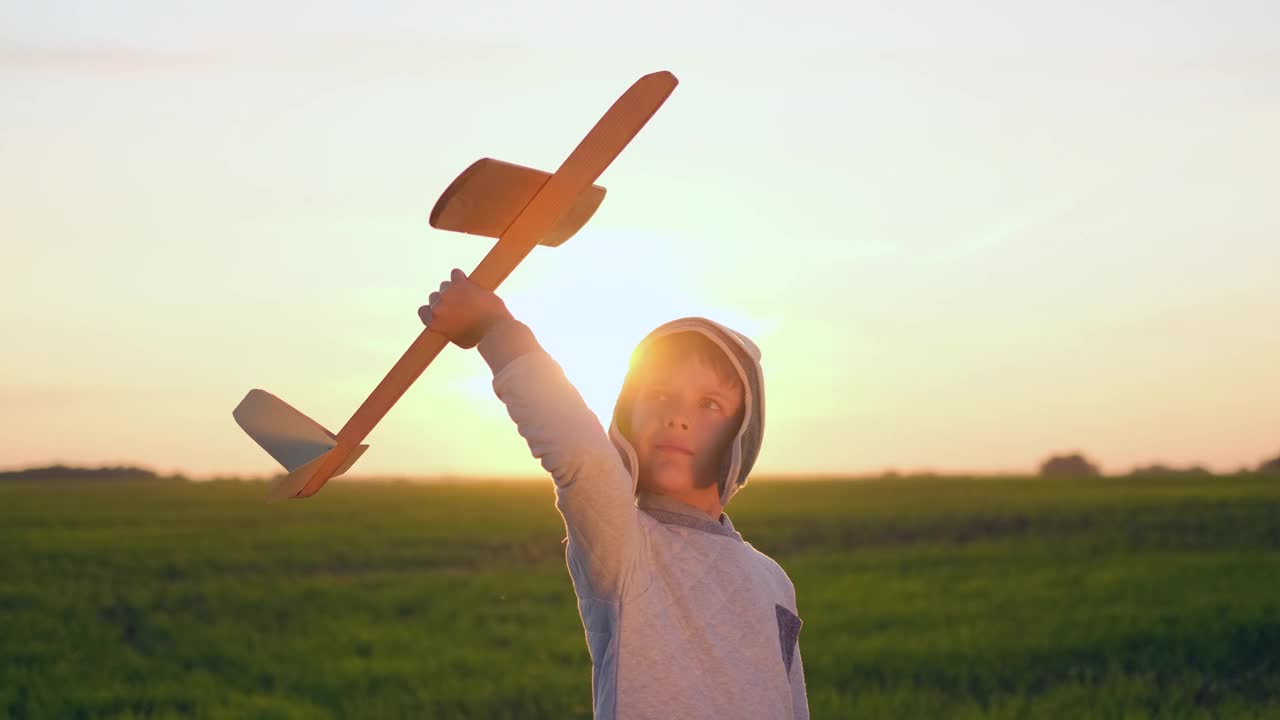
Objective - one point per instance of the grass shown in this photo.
(945, 597)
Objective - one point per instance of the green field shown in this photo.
(921, 598)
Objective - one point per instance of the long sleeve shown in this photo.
(594, 492)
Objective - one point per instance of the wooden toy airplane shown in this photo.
(519, 206)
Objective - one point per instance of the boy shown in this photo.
(683, 618)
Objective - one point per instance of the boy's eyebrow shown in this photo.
(708, 391)
(724, 397)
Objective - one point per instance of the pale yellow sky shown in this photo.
(963, 240)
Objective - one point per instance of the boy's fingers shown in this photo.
(424, 314)
(457, 274)
(432, 299)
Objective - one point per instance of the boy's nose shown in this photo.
(678, 422)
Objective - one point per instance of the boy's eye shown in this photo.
(706, 402)
(657, 394)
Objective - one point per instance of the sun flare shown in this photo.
(599, 296)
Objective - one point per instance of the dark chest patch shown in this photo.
(788, 633)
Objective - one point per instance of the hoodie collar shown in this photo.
(673, 512)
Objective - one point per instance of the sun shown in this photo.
(592, 300)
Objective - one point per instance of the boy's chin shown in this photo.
(667, 483)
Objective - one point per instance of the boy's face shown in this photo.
(682, 419)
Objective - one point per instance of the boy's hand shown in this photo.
(462, 310)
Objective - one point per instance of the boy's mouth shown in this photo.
(665, 447)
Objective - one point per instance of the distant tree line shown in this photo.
(65, 472)
(1077, 465)
(1270, 466)
(1068, 465)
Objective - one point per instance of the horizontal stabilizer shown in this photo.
(486, 198)
(293, 439)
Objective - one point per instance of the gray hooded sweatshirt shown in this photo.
(683, 618)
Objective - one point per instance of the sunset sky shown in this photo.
(964, 235)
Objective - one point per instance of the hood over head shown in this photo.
(743, 449)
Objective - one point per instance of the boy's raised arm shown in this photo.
(594, 491)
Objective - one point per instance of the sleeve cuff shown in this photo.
(505, 341)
